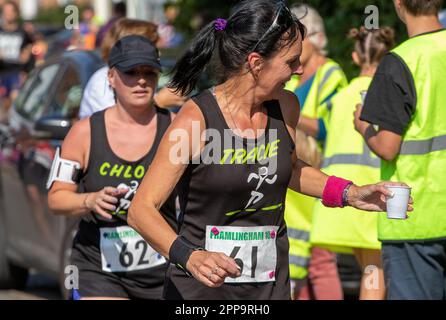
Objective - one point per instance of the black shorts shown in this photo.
(94, 282)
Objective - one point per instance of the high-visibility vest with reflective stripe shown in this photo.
(298, 213)
(421, 162)
(298, 209)
(346, 155)
(328, 79)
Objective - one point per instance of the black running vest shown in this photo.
(238, 190)
(105, 168)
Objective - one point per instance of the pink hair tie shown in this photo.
(333, 195)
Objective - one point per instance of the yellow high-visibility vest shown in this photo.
(346, 155)
(421, 162)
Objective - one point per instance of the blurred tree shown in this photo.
(51, 16)
(342, 15)
(339, 16)
(194, 14)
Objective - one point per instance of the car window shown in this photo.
(31, 101)
(66, 102)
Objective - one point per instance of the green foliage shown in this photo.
(53, 16)
(197, 13)
(342, 15)
(339, 17)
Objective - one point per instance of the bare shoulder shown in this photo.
(189, 114)
(290, 107)
(76, 144)
(182, 140)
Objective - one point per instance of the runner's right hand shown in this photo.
(211, 268)
(104, 200)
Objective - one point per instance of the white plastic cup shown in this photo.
(363, 95)
(397, 205)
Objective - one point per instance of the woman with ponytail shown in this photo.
(231, 151)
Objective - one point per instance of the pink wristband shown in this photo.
(333, 191)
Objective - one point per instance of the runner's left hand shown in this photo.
(373, 197)
(211, 268)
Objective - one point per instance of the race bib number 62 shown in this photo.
(123, 250)
(253, 249)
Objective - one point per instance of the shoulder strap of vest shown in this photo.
(326, 71)
(276, 119)
(210, 109)
(163, 122)
(163, 117)
(98, 140)
(426, 39)
(273, 109)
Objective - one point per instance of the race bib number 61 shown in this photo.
(252, 248)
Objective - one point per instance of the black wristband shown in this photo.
(180, 251)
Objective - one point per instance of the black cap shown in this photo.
(134, 51)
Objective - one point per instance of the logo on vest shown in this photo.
(256, 196)
(124, 202)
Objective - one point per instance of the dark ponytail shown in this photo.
(239, 36)
(189, 67)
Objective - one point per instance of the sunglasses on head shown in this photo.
(283, 15)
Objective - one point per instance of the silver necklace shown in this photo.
(230, 113)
